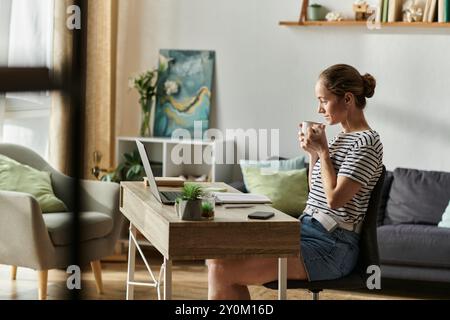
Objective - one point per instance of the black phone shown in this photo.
(261, 215)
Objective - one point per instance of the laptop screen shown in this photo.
(148, 170)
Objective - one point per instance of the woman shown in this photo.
(342, 176)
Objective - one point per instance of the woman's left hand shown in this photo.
(316, 140)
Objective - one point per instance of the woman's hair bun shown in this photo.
(369, 85)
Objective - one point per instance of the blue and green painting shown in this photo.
(184, 91)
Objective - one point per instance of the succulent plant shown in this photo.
(191, 191)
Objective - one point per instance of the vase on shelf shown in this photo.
(316, 12)
(147, 119)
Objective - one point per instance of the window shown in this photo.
(26, 40)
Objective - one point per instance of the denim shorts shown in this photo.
(327, 255)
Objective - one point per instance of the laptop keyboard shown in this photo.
(171, 195)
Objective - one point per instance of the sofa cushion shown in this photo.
(417, 197)
(93, 225)
(414, 245)
(280, 164)
(288, 190)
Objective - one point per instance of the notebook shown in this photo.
(224, 197)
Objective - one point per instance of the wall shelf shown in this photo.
(304, 22)
(363, 23)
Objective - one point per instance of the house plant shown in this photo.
(129, 170)
(146, 85)
(150, 86)
(189, 206)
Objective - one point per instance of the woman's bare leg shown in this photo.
(228, 279)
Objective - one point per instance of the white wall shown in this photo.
(265, 73)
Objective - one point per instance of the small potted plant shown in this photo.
(207, 210)
(189, 206)
(316, 12)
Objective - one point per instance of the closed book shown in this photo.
(379, 14)
(395, 10)
(441, 11)
(385, 10)
(241, 198)
(426, 11)
(432, 13)
(447, 10)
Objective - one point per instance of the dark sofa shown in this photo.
(411, 245)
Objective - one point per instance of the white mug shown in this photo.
(308, 124)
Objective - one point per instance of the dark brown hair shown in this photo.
(342, 78)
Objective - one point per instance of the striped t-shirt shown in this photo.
(358, 156)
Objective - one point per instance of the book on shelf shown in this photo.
(426, 11)
(441, 11)
(447, 10)
(432, 13)
(379, 13)
(395, 10)
(385, 10)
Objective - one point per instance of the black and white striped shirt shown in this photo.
(358, 156)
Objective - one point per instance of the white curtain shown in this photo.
(26, 40)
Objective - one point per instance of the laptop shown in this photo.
(165, 197)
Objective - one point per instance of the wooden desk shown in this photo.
(230, 235)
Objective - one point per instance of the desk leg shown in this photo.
(131, 263)
(282, 278)
(167, 279)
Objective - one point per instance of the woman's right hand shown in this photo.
(302, 139)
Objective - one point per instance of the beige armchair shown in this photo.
(42, 242)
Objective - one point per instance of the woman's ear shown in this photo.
(349, 98)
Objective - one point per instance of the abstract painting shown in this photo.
(184, 91)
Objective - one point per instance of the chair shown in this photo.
(368, 254)
(42, 242)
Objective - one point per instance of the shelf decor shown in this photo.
(361, 10)
(316, 12)
(146, 85)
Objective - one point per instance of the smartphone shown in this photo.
(260, 215)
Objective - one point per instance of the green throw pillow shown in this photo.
(21, 178)
(288, 190)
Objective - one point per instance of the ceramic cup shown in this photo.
(308, 124)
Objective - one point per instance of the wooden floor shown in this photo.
(189, 283)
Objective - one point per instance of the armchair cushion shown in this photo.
(93, 225)
(17, 177)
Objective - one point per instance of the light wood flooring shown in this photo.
(189, 283)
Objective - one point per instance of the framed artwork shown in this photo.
(184, 91)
